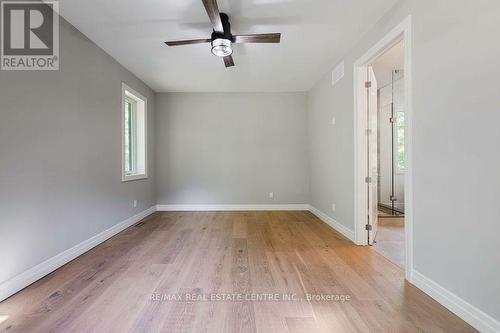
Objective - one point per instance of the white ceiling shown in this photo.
(315, 34)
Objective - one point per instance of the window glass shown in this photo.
(128, 132)
(400, 141)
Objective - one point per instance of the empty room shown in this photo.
(249, 166)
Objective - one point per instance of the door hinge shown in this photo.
(394, 198)
(392, 120)
(368, 180)
(368, 84)
(368, 131)
(368, 227)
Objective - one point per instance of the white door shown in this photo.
(372, 154)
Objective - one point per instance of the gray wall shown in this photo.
(60, 154)
(331, 149)
(231, 148)
(455, 103)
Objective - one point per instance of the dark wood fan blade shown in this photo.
(214, 15)
(228, 61)
(188, 42)
(258, 38)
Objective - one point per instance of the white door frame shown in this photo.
(401, 32)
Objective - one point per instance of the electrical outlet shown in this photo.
(135, 203)
(271, 195)
(333, 120)
(333, 207)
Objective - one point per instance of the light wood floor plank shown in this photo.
(129, 283)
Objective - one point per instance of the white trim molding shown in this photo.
(142, 133)
(21, 281)
(469, 313)
(333, 223)
(401, 32)
(230, 207)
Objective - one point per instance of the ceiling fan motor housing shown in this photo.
(226, 34)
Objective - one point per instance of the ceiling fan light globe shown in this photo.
(221, 47)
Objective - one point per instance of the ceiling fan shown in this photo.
(222, 38)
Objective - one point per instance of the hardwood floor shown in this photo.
(390, 239)
(129, 283)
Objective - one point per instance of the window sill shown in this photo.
(133, 177)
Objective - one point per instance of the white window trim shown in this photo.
(130, 93)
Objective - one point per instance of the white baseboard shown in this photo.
(469, 313)
(211, 208)
(332, 223)
(15, 284)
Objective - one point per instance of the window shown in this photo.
(134, 142)
(400, 141)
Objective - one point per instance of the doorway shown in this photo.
(382, 79)
(388, 70)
